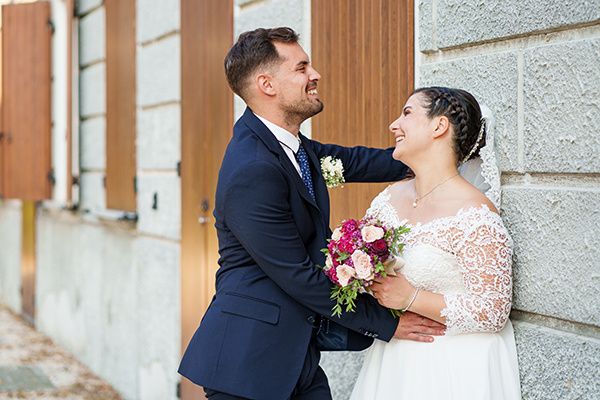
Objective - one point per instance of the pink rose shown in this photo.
(362, 265)
(328, 262)
(371, 233)
(344, 274)
(337, 234)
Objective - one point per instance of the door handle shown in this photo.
(202, 220)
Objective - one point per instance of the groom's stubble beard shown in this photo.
(300, 111)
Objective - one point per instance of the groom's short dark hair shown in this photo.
(252, 50)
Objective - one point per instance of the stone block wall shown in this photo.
(535, 64)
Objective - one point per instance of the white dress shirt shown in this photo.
(288, 141)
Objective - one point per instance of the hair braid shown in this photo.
(464, 114)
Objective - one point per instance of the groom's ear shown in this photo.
(264, 82)
(442, 126)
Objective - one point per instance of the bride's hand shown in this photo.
(393, 291)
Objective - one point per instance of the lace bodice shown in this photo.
(466, 257)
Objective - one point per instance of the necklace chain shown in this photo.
(417, 198)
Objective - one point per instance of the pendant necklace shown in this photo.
(417, 198)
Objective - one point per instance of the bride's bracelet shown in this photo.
(410, 303)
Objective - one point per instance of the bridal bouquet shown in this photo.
(358, 252)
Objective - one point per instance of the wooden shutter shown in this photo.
(207, 121)
(120, 104)
(364, 52)
(26, 120)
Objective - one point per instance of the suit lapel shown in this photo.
(265, 135)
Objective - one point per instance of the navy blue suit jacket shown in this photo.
(254, 337)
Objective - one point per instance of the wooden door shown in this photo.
(26, 120)
(364, 52)
(207, 120)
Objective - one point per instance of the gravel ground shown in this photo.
(22, 346)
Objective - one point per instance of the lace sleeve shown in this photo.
(485, 258)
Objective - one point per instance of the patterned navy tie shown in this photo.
(302, 159)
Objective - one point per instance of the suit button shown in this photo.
(311, 319)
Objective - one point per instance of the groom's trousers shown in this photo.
(312, 384)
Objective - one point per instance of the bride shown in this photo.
(457, 259)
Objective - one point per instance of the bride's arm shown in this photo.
(485, 256)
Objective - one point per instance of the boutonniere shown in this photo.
(333, 171)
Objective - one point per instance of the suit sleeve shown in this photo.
(258, 213)
(364, 164)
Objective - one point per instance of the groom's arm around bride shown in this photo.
(258, 336)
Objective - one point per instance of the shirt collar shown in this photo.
(282, 135)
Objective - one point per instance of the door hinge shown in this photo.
(178, 390)
(135, 185)
(179, 169)
(51, 26)
(51, 177)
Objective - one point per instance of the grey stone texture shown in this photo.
(92, 84)
(87, 299)
(557, 365)
(461, 22)
(159, 137)
(493, 80)
(426, 25)
(10, 255)
(562, 107)
(159, 72)
(165, 220)
(85, 6)
(342, 370)
(156, 18)
(93, 143)
(23, 378)
(92, 193)
(556, 251)
(92, 37)
(159, 323)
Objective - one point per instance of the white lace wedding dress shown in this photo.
(467, 258)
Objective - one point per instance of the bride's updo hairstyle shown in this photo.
(464, 114)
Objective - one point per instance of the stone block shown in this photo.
(426, 25)
(92, 191)
(158, 317)
(562, 107)
(10, 256)
(555, 364)
(92, 37)
(273, 13)
(159, 72)
(93, 143)
(159, 137)
(92, 90)
(159, 205)
(461, 22)
(156, 18)
(87, 296)
(492, 79)
(85, 6)
(556, 251)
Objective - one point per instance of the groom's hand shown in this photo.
(420, 329)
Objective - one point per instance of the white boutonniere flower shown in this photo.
(333, 171)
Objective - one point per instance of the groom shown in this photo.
(258, 338)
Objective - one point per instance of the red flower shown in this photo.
(350, 226)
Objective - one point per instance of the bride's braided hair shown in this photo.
(464, 114)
